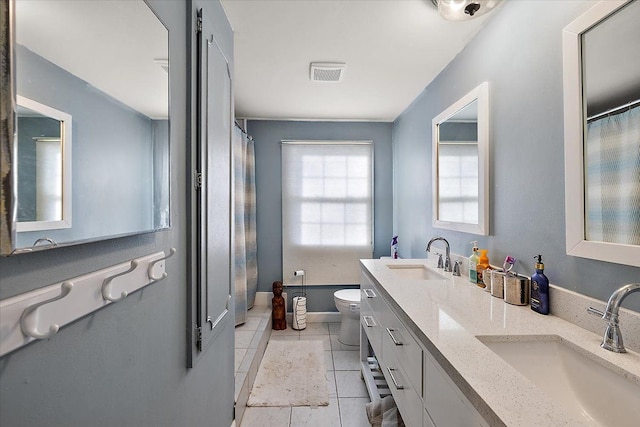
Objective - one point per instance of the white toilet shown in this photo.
(348, 304)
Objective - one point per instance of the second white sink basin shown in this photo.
(414, 272)
(585, 387)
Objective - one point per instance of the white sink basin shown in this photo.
(414, 272)
(584, 386)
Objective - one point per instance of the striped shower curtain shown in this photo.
(612, 178)
(246, 263)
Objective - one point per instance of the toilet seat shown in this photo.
(347, 295)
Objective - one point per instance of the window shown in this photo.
(327, 210)
(458, 181)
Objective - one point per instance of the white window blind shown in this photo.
(327, 210)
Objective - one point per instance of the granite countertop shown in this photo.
(447, 316)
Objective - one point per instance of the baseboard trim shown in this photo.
(263, 299)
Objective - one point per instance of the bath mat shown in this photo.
(292, 373)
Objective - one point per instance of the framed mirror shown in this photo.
(602, 133)
(460, 164)
(104, 65)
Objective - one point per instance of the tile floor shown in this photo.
(347, 392)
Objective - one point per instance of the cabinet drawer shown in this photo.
(443, 401)
(397, 340)
(405, 395)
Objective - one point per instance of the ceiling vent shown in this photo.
(326, 71)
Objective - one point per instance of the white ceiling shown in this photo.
(393, 50)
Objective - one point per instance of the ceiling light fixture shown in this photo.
(464, 10)
(326, 71)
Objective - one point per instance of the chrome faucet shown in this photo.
(612, 339)
(447, 261)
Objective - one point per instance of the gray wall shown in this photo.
(267, 136)
(123, 365)
(519, 53)
(112, 152)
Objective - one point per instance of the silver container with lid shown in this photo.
(516, 290)
(497, 283)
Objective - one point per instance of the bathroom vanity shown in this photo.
(453, 355)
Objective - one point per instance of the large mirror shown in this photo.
(602, 133)
(461, 164)
(95, 73)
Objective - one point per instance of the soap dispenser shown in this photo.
(482, 267)
(539, 289)
(473, 262)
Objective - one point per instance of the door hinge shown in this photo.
(197, 180)
(199, 24)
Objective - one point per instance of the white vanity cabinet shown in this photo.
(423, 392)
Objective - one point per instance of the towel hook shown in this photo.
(105, 284)
(53, 329)
(172, 252)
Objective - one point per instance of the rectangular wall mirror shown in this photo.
(461, 164)
(95, 73)
(602, 133)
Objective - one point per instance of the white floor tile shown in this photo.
(258, 311)
(269, 416)
(328, 360)
(280, 337)
(337, 345)
(346, 360)
(319, 416)
(350, 384)
(243, 338)
(353, 413)
(334, 328)
(331, 385)
(251, 324)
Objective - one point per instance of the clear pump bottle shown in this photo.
(473, 262)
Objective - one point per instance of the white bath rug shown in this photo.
(292, 373)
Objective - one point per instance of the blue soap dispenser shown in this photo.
(539, 289)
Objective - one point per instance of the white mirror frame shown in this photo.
(65, 119)
(574, 131)
(481, 95)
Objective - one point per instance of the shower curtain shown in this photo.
(246, 263)
(612, 177)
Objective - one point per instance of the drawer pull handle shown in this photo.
(393, 338)
(368, 320)
(369, 293)
(393, 378)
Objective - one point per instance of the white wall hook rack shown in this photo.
(54, 306)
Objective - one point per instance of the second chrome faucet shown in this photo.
(612, 339)
(447, 262)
